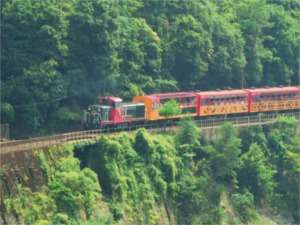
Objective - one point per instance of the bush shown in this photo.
(244, 204)
(189, 132)
(170, 108)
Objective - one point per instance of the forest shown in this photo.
(58, 56)
(185, 177)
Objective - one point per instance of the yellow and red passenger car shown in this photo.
(153, 103)
(274, 99)
(113, 111)
(211, 103)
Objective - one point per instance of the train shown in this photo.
(112, 111)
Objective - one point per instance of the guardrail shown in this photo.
(204, 123)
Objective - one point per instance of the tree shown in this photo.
(224, 160)
(34, 46)
(256, 174)
(188, 133)
(244, 204)
(284, 141)
(283, 42)
(170, 108)
(31, 207)
(254, 134)
(93, 42)
(253, 17)
(74, 190)
(226, 56)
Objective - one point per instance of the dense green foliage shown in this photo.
(187, 173)
(57, 56)
(69, 194)
(148, 179)
(170, 108)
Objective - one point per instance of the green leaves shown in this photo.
(244, 204)
(31, 207)
(256, 174)
(170, 108)
(228, 148)
(188, 133)
(79, 49)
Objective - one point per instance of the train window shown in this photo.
(162, 101)
(155, 105)
(222, 101)
(116, 104)
(217, 101)
(292, 95)
(205, 101)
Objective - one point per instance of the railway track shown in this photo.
(204, 123)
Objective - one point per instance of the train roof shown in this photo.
(109, 98)
(223, 92)
(129, 104)
(273, 89)
(172, 95)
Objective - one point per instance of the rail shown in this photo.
(203, 123)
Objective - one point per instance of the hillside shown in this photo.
(58, 56)
(248, 176)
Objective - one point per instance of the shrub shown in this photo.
(170, 108)
(244, 204)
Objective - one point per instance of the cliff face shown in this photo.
(157, 179)
(18, 168)
(28, 178)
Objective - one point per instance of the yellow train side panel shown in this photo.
(223, 109)
(275, 105)
(150, 113)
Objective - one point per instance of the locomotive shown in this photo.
(112, 111)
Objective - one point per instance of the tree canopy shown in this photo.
(145, 177)
(63, 54)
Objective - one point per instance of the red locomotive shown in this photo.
(110, 111)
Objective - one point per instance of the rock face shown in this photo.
(25, 169)
(18, 168)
